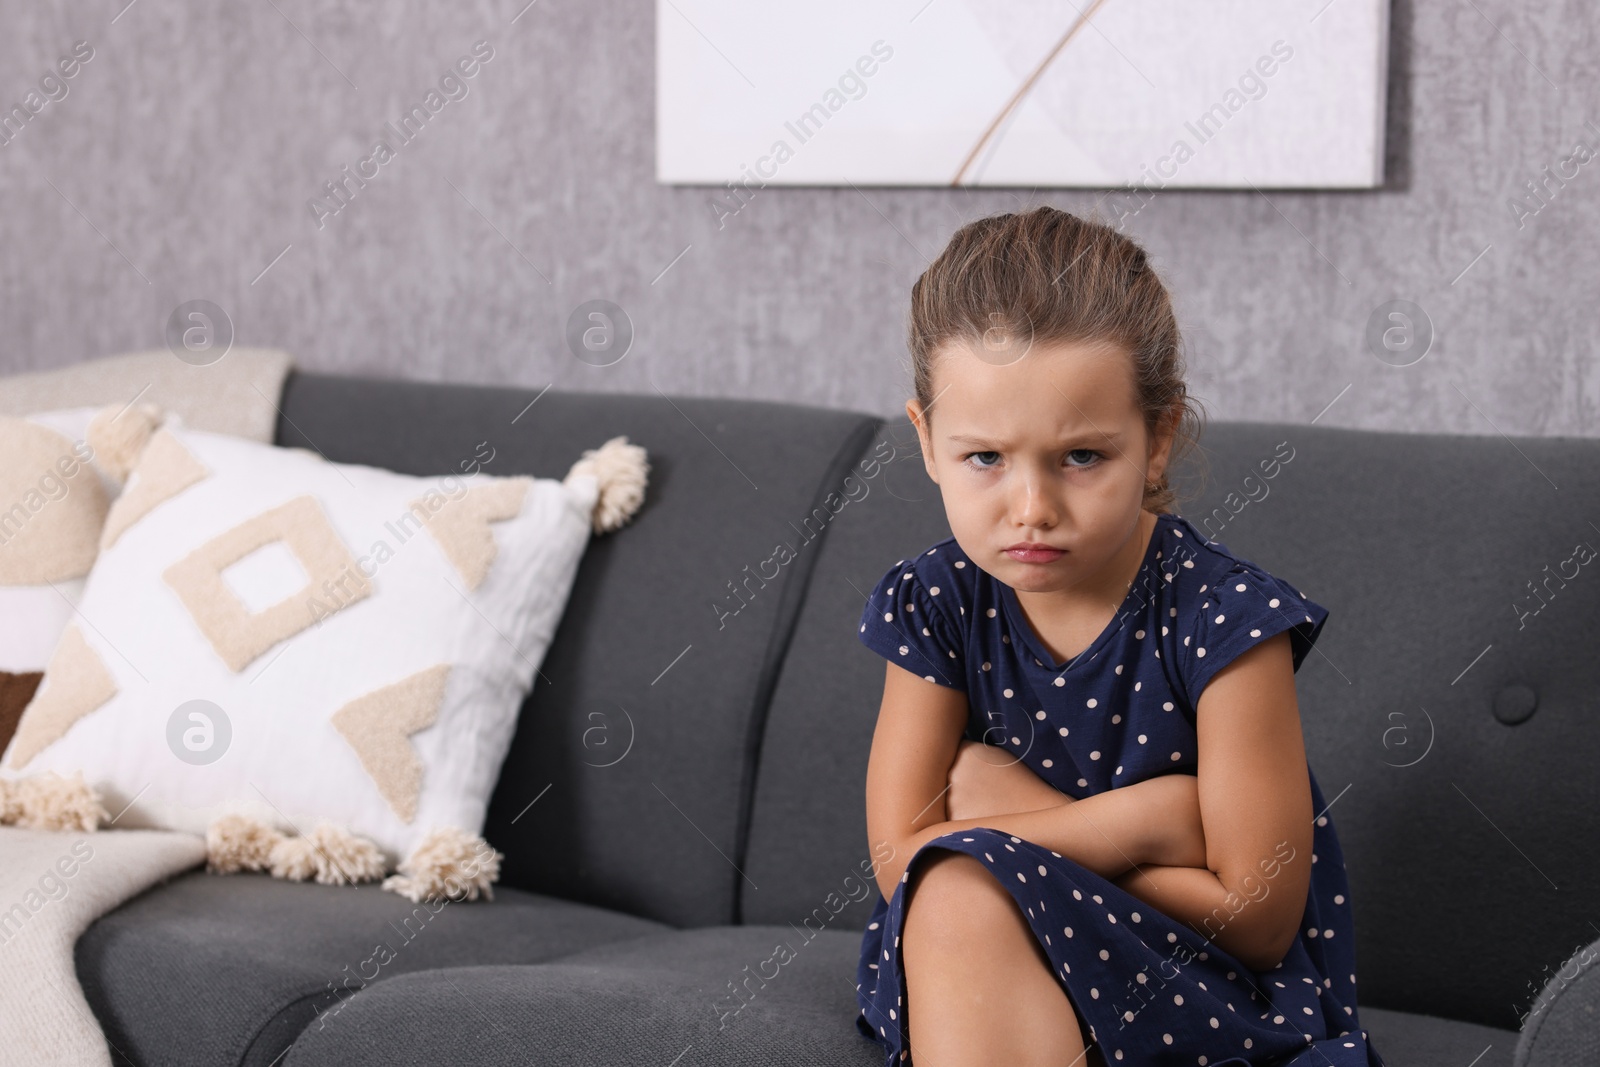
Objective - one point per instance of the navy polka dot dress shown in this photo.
(1151, 990)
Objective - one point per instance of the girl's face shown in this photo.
(1049, 449)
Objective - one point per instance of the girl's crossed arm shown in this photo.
(1255, 801)
(914, 749)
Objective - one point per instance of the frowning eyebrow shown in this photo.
(1087, 435)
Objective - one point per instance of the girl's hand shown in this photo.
(986, 780)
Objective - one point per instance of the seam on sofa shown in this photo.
(790, 603)
(253, 1052)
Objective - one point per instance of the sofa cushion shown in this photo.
(1440, 559)
(726, 995)
(1407, 1040)
(629, 778)
(1563, 1024)
(227, 969)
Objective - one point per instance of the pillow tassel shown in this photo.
(239, 843)
(328, 854)
(449, 863)
(622, 471)
(294, 859)
(50, 802)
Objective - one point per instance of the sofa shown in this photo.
(685, 791)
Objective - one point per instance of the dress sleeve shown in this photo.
(1245, 607)
(904, 623)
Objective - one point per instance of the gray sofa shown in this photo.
(685, 790)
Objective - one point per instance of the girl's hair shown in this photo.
(1049, 277)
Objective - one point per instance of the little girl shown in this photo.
(1106, 844)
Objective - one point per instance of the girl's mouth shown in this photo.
(1035, 555)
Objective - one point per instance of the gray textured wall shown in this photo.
(180, 162)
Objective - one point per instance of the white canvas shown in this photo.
(902, 93)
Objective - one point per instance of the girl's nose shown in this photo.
(1033, 502)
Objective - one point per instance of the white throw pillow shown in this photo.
(272, 635)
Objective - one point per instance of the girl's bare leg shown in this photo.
(979, 986)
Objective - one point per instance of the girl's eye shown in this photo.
(1093, 458)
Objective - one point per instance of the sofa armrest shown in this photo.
(1563, 1026)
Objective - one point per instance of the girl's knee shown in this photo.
(947, 872)
(954, 895)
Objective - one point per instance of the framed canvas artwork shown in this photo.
(1084, 93)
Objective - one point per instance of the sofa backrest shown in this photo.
(698, 755)
(1468, 833)
(628, 782)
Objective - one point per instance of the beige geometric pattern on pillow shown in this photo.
(239, 635)
(49, 521)
(165, 469)
(379, 726)
(118, 437)
(461, 526)
(76, 682)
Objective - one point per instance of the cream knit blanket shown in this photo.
(53, 884)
